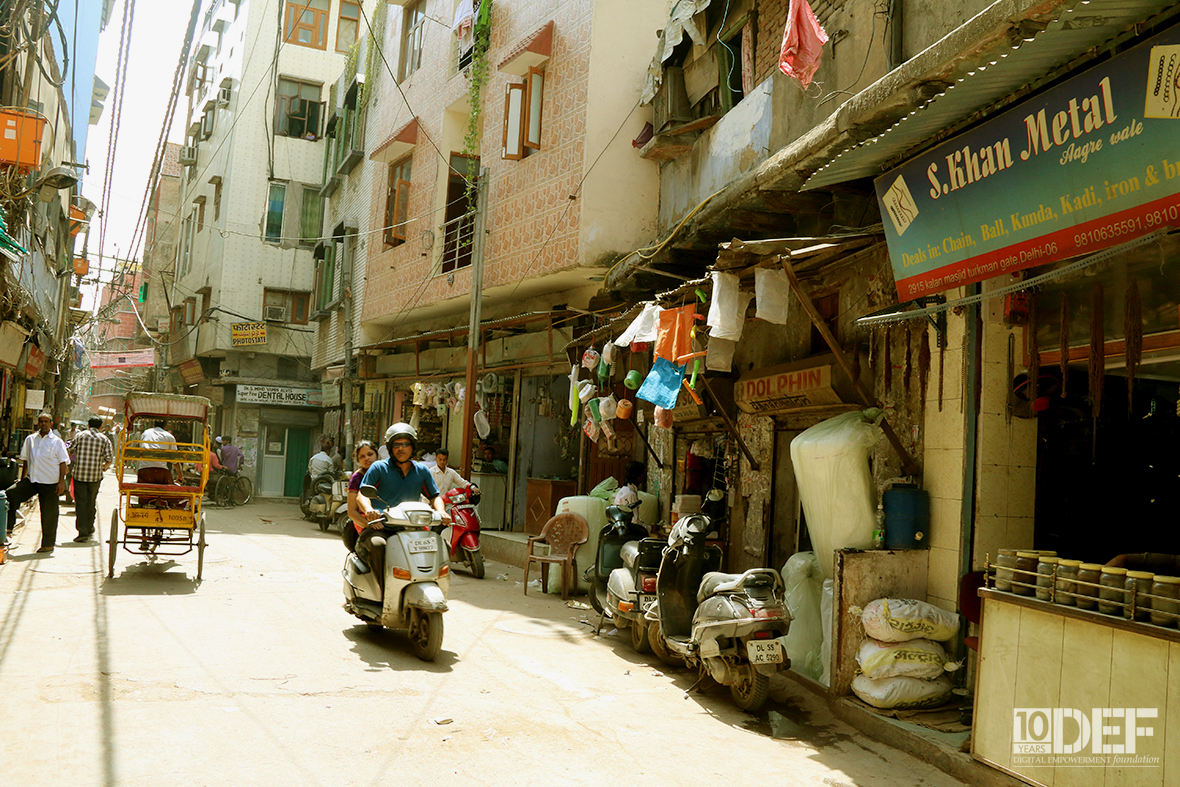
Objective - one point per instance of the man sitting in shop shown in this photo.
(490, 463)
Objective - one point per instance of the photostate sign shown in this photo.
(1090, 164)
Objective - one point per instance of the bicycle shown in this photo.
(232, 489)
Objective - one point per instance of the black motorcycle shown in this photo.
(619, 529)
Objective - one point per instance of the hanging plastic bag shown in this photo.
(608, 431)
(663, 418)
(915, 658)
(590, 358)
(662, 386)
(482, 428)
(719, 354)
(591, 429)
(772, 295)
(586, 391)
(608, 407)
(831, 462)
(727, 308)
(894, 693)
(642, 329)
(902, 619)
(573, 395)
(805, 637)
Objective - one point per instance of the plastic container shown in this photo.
(20, 138)
(1113, 593)
(1046, 576)
(1137, 584)
(1088, 576)
(1005, 563)
(1024, 576)
(1067, 574)
(907, 517)
(1169, 588)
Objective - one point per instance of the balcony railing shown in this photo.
(458, 242)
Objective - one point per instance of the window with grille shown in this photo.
(459, 222)
(397, 202)
(298, 109)
(306, 23)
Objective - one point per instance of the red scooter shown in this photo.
(462, 536)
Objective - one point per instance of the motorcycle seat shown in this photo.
(716, 582)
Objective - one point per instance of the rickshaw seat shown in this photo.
(155, 489)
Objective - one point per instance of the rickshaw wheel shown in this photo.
(113, 540)
(200, 546)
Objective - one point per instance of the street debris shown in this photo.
(442, 720)
(577, 604)
(503, 578)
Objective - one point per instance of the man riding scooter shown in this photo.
(398, 479)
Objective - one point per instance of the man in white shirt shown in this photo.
(46, 463)
(156, 436)
(322, 462)
(445, 478)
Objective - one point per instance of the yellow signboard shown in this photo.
(245, 334)
(159, 517)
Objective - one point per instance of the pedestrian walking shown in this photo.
(46, 463)
(93, 454)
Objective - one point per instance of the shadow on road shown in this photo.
(383, 650)
(150, 579)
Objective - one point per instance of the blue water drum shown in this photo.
(907, 517)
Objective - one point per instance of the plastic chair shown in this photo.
(563, 533)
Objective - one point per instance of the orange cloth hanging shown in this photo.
(674, 337)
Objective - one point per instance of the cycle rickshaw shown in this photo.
(161, 518)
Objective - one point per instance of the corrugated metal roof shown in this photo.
(1079, 31)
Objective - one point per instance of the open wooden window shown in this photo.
(534, 92)
(397, 202)
(514, 101)
(298, 109)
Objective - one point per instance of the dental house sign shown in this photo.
(1090, 164)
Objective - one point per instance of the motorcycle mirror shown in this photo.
(370, 491)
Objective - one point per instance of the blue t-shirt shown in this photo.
(394, 488)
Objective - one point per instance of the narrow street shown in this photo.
(257, 677)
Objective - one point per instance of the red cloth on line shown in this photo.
(803, 42)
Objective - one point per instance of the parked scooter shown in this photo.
(417, 577)
(616, 583)
(729, 626)
(462, 536)
(320, 485)
(329, 504)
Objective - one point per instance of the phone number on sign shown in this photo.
(1133, 226)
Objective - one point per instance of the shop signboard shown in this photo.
(292, 397)
(1092, 163)
(12, 341)
(34, 361)
(247, 334)
(35, 399)
(191, 371)
(785, 387)
(330, 393)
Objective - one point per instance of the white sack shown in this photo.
(902, 692)
(805, 637)
(902, 619)
(836, 485)
(772, 295)
(915, 658)
(727, 307)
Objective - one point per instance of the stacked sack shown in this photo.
(902, 665)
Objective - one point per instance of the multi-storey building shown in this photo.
(250, 214)
(46, 84)
(530, 184)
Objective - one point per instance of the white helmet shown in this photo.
(400, 429)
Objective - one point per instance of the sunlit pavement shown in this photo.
(256, 676)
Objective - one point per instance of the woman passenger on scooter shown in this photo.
(364, 455)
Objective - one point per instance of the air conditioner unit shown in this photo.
(671, 107)
(188, 155)
(276, 314)
(223, 96)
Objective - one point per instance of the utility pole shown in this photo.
(346, 388)
(473, 332)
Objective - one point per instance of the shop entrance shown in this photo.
(285, 452)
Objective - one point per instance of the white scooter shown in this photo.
(729, 626)
(417, 577)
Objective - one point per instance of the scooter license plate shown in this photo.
(645, 600)
(764, 651)
(419, 545)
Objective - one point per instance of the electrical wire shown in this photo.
(119, 90)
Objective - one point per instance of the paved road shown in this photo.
(258, 677)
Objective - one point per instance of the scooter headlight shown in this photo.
(420, 518)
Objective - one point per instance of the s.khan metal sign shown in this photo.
(1092, 163)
